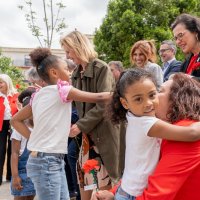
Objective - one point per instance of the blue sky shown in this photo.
(84, 15)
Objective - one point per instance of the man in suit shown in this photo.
(167, 53)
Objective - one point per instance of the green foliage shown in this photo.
(15, 73)
(128, 21)
(51, 19)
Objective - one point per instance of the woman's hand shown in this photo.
(16, 183)
(102, 195)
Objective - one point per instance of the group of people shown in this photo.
(126, 139)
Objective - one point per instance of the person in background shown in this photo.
(116, 68)
(8, 107)
(101, 140)
(22, 187)
(167, 54)
(143, 55)
(186, 30)
(33, 77)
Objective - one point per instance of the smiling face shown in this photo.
(139, 58)
(3, 87)
(185, 39)
(141, 98)
(163, 96)
(70, 54)
(166, 53)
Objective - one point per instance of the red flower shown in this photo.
(17, 86)
(90, 165)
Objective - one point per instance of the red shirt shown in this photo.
(177, 175)
(193, 64)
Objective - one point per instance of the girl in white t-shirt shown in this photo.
(51, 111)
(135, 100)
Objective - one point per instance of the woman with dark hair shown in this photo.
(186, 30)
(177, 173)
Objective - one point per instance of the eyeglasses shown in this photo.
(163, 50)
(179, 36)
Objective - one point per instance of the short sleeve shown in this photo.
(15, 135)
(148, 122)
(63, 88)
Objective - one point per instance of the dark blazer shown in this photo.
(175, 66)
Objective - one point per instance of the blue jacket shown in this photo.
(175, 66)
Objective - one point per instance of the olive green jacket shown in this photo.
(108, 138)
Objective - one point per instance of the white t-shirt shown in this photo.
(17, 136)
(142, 154)
(7, 112)
(52, 121)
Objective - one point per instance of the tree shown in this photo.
(51, 19)
(128, 21)
(15, 73)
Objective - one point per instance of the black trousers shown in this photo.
(4, 140)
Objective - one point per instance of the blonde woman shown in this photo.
(143, 54)
(8, 107)
(101, 140)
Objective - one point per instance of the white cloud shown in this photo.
(84, 15)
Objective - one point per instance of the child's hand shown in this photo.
(102, 195)
(16, 183)
(74, 131)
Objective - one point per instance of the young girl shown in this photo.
(51, 110)
(22, 187)
(135, 101)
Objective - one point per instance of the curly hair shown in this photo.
(184, 98)
(115, 111)
(43, 60)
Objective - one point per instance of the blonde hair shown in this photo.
(10, 88)
(80, 44)
(148, 49)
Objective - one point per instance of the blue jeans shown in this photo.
(122, 195)
(48, 176)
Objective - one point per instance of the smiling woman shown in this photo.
(8, 107)
(143, 55)
(186, 30)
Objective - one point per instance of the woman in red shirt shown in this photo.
(186, 30)
(8, 107)
(177, 175)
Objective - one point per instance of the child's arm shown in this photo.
(17, 121)
(168, 131)
(78, 95)
(16, 183)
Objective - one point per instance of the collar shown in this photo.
(89, 70)
(170, 61)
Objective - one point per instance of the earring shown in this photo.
(197, 37)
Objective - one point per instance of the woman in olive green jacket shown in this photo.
(105, 140)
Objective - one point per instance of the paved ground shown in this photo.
(5, 191)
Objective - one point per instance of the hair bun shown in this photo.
(38, 55)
